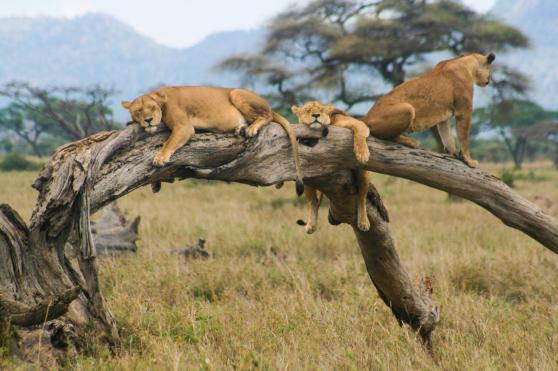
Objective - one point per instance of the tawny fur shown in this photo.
(431, 100)
(186, 108)
(317, 115)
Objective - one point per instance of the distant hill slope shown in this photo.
(539, 20)
(97, 48)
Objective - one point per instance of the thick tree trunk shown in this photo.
(39, 281)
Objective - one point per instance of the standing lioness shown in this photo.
(430, 100)
(186, 108)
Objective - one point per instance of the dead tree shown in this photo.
(113, 234)
(40, 283)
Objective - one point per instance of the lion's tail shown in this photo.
(294, 145)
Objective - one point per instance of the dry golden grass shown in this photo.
(311, 305)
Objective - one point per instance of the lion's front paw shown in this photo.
(363, 224)
(362, 154)
(251, 131)
(160, 159)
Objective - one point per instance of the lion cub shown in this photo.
(317, 115)
(431, 100)
(186, 108)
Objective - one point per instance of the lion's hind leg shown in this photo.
(255, 109)
(314, 198)
(390, 122)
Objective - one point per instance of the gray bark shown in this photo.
(84, 176)
(113, 234)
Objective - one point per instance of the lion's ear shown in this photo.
(490, 58)
(295, 110)
(160, 97)
(126, 104)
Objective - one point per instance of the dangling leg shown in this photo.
(360, 133)
(314, 198)
(362, 217)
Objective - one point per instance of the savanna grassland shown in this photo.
(272, 297)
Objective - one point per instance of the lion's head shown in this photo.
(316, 115)
(147, 110)
(482, 74)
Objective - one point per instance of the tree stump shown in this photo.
(113, 234)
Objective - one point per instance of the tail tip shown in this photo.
(299, 187)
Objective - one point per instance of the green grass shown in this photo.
(272, 297)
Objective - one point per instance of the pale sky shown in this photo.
(171, 22)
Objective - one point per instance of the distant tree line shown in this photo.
(37, 120)
(348, 52)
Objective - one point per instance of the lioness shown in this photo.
(186, 108)
(430, 100)
(317, 115)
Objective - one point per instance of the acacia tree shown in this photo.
(71, 113)
(325, 47)
(13, 119)
(516, 119)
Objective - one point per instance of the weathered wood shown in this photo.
(84, 176)
(113, 234)
(263, 162)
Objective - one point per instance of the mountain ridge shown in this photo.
(97, 48)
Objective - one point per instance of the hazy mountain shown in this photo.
(97, 48)
(539, 20)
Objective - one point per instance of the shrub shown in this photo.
(508, 177)
(17, 162)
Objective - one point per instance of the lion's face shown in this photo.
(316, 115)
(483, 72)
(146, 110)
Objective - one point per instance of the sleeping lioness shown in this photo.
(431, 100)
(319, 116)
(186, 108)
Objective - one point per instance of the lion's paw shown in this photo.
(364, 224)
(160, 160)
(251, 131)
(310, 228)
(362, 155)
(472, 163)
(467, 160)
